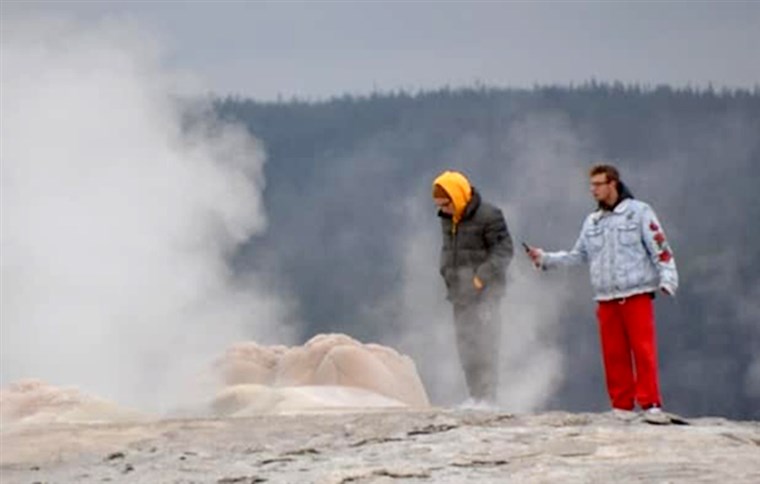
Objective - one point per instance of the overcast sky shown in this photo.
(317, 49)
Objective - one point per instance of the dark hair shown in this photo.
(612, 173)
(440, 192)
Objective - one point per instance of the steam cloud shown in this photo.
(121, 204)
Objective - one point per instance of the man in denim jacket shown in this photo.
(629, 261)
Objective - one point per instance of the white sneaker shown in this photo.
(624, 415)
(473, 404)
(655, 415)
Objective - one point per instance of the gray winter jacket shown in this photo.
(480, 245)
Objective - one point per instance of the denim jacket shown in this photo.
(627, 252)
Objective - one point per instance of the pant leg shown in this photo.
(638, 313)
(616, 355)
(478, 330)
(465, 326)
(489, 344)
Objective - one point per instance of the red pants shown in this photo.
(626, 328)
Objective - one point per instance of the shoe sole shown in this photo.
(665, 419)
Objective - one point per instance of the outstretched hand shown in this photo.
(534, 253)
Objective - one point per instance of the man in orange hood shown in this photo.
(476, 252)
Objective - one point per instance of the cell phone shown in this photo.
(526, 247)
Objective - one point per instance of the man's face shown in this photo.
(444, 205)
(602, 189)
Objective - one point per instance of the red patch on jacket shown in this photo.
(659, 237)
(653, 226)
(665, 256)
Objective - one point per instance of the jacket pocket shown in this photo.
(594, 239)
(628, 234)
(465, 287)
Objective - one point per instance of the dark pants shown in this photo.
(478, 329)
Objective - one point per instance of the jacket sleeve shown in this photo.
(659, 250)
(500, 250)
(575, 256)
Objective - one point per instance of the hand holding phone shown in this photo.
(534, 254)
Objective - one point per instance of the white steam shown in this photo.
(120, 206)
(544, 201)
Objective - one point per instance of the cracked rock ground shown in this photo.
(430, 446)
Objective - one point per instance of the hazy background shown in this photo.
(148, 220)
(266, 49)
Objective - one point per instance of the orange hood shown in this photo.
(458, 189)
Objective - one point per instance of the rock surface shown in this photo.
(34, 403)
(330, 371)
(385, 446)
(334, 360)
(335, 411)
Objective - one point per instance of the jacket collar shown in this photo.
(621, 208)
(624, 193)
(472, 205)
